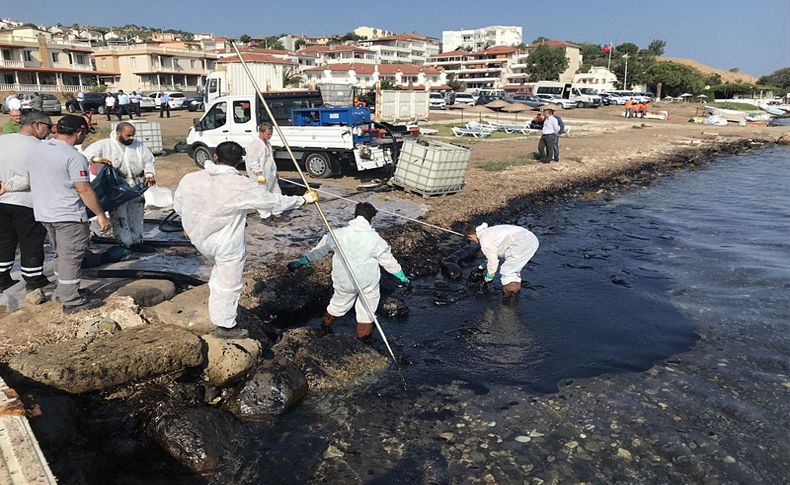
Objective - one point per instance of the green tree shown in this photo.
(657, 47)
(546, 63)
(675, 79)
(388, 85)
(625, 48)
(271, 42)
(780, 78)
(300, 44)
(350, 37)
(456, 85)
(291, 77)
(540, 39)
(244, 38)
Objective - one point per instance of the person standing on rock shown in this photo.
(551, 130)
(213, 204)
(366, 251)
(61, 190)
(261, 166)
(18, 225)
(137, 165)
(515, 244)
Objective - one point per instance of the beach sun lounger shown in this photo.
(477, 133)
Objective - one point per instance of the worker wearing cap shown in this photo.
(61, 191)
(261, 166)
(18, 225)
(137, 165)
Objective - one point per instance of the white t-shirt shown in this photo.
(53, 171)
(109, 101)
(12, 102)
(16, 150)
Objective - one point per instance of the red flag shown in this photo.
(606, 48)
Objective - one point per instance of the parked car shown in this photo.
(193, 103)
(437, 101)
(484, 99)
(528, 99)
(467, 98)
(148, 104)
(51, 104)
(175, 99)
(564, 103)
(94, 102)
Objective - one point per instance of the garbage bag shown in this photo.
(112, 190)
(158, 197)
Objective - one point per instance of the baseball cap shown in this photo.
(72, 123)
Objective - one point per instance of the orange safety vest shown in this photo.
(629, 104)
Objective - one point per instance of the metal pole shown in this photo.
(625, 76)
(276, 125)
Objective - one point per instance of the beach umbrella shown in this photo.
(461, 107)
(516, 108)
(478, 109)
(497, 104)
(686, 96)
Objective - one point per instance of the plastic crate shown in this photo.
(148, 132)
(431, 167)
(337, 94)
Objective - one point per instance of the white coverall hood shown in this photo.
(133, 161)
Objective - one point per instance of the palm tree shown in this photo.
(291, 77)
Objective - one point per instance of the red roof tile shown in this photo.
(385, 69)
(257, 57)
(333, 48)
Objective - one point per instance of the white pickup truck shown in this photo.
(323, 151)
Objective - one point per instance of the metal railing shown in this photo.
(5, 63)
(42, 88)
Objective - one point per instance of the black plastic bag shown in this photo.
(112, 190)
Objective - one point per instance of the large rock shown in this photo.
(85, 365)
(148, 293)
(328, 362)
(197, 436)
(228, 360)
(276, 387)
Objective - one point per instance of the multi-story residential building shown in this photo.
(572, 51)
(366, 75)
(372, 32)
(32, 60)
(599, 79)
(156, 65)
(408, 48)
(476, 39)
(485, 68)
(333, 54)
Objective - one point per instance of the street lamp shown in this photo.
(625, 76)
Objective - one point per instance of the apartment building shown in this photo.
(572, 51)
(372, 32)
(599, 79)
(156, 66)
(484, 68)
(366, 76)
(33, 60)
(339, 54)
(408, 48)
(477, 39)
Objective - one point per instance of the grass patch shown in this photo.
(575, 159)
(502, 165)
(736, 106)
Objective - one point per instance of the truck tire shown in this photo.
(102, 110)
(579, 104)
(318, 165)
(201, 155)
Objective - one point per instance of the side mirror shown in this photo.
(196, 123)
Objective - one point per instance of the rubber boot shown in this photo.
(326, 324)
(511, 288)
(365, 333)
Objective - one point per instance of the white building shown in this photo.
(484, 68)
(333, 54)
(372, 32)
(366, 75)
(409, 48)
(476, 39)
(600, 79)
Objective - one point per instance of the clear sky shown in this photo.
(753, 35)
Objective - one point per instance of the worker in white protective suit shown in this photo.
(213, 204)
(261, 166)
(366, 250)
(136, 164)
(515, 244)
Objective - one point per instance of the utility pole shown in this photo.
(625, 76)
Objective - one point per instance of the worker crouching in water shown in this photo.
(135, 162)
(213, 204)
(365, 250)
(515, 244)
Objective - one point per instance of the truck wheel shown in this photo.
(318, 165)
(201, 155)
(579, 104)
(70, 108)
(102, 110)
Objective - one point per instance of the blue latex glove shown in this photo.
(298, 263)
(402, 277)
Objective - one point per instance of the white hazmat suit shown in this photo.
(514, 243)
(366, 250)
(260, 159)
(133, 162)
(213, 205)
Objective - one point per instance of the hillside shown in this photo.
(726, 76)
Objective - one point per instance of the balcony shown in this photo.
(12, 63)
(82, 67)
(42, 88)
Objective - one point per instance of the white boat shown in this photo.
(772, 110)
(731, 115)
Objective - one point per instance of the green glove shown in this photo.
(297, 263)
(482, 266)
(402, 277)
(489, 277)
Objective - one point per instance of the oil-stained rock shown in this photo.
(276, 387)
(147, 293)
(227, 360)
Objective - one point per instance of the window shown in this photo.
(55, 57)
(132, 62)
(216, 117)
(80, 59)
(192, 63)
(241, 112)
(27, 56)
(7, 55)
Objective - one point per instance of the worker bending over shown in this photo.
(515, 244)
(213, 204)
(365, 250)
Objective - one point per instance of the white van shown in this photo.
(583, 99)
(466, 98)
